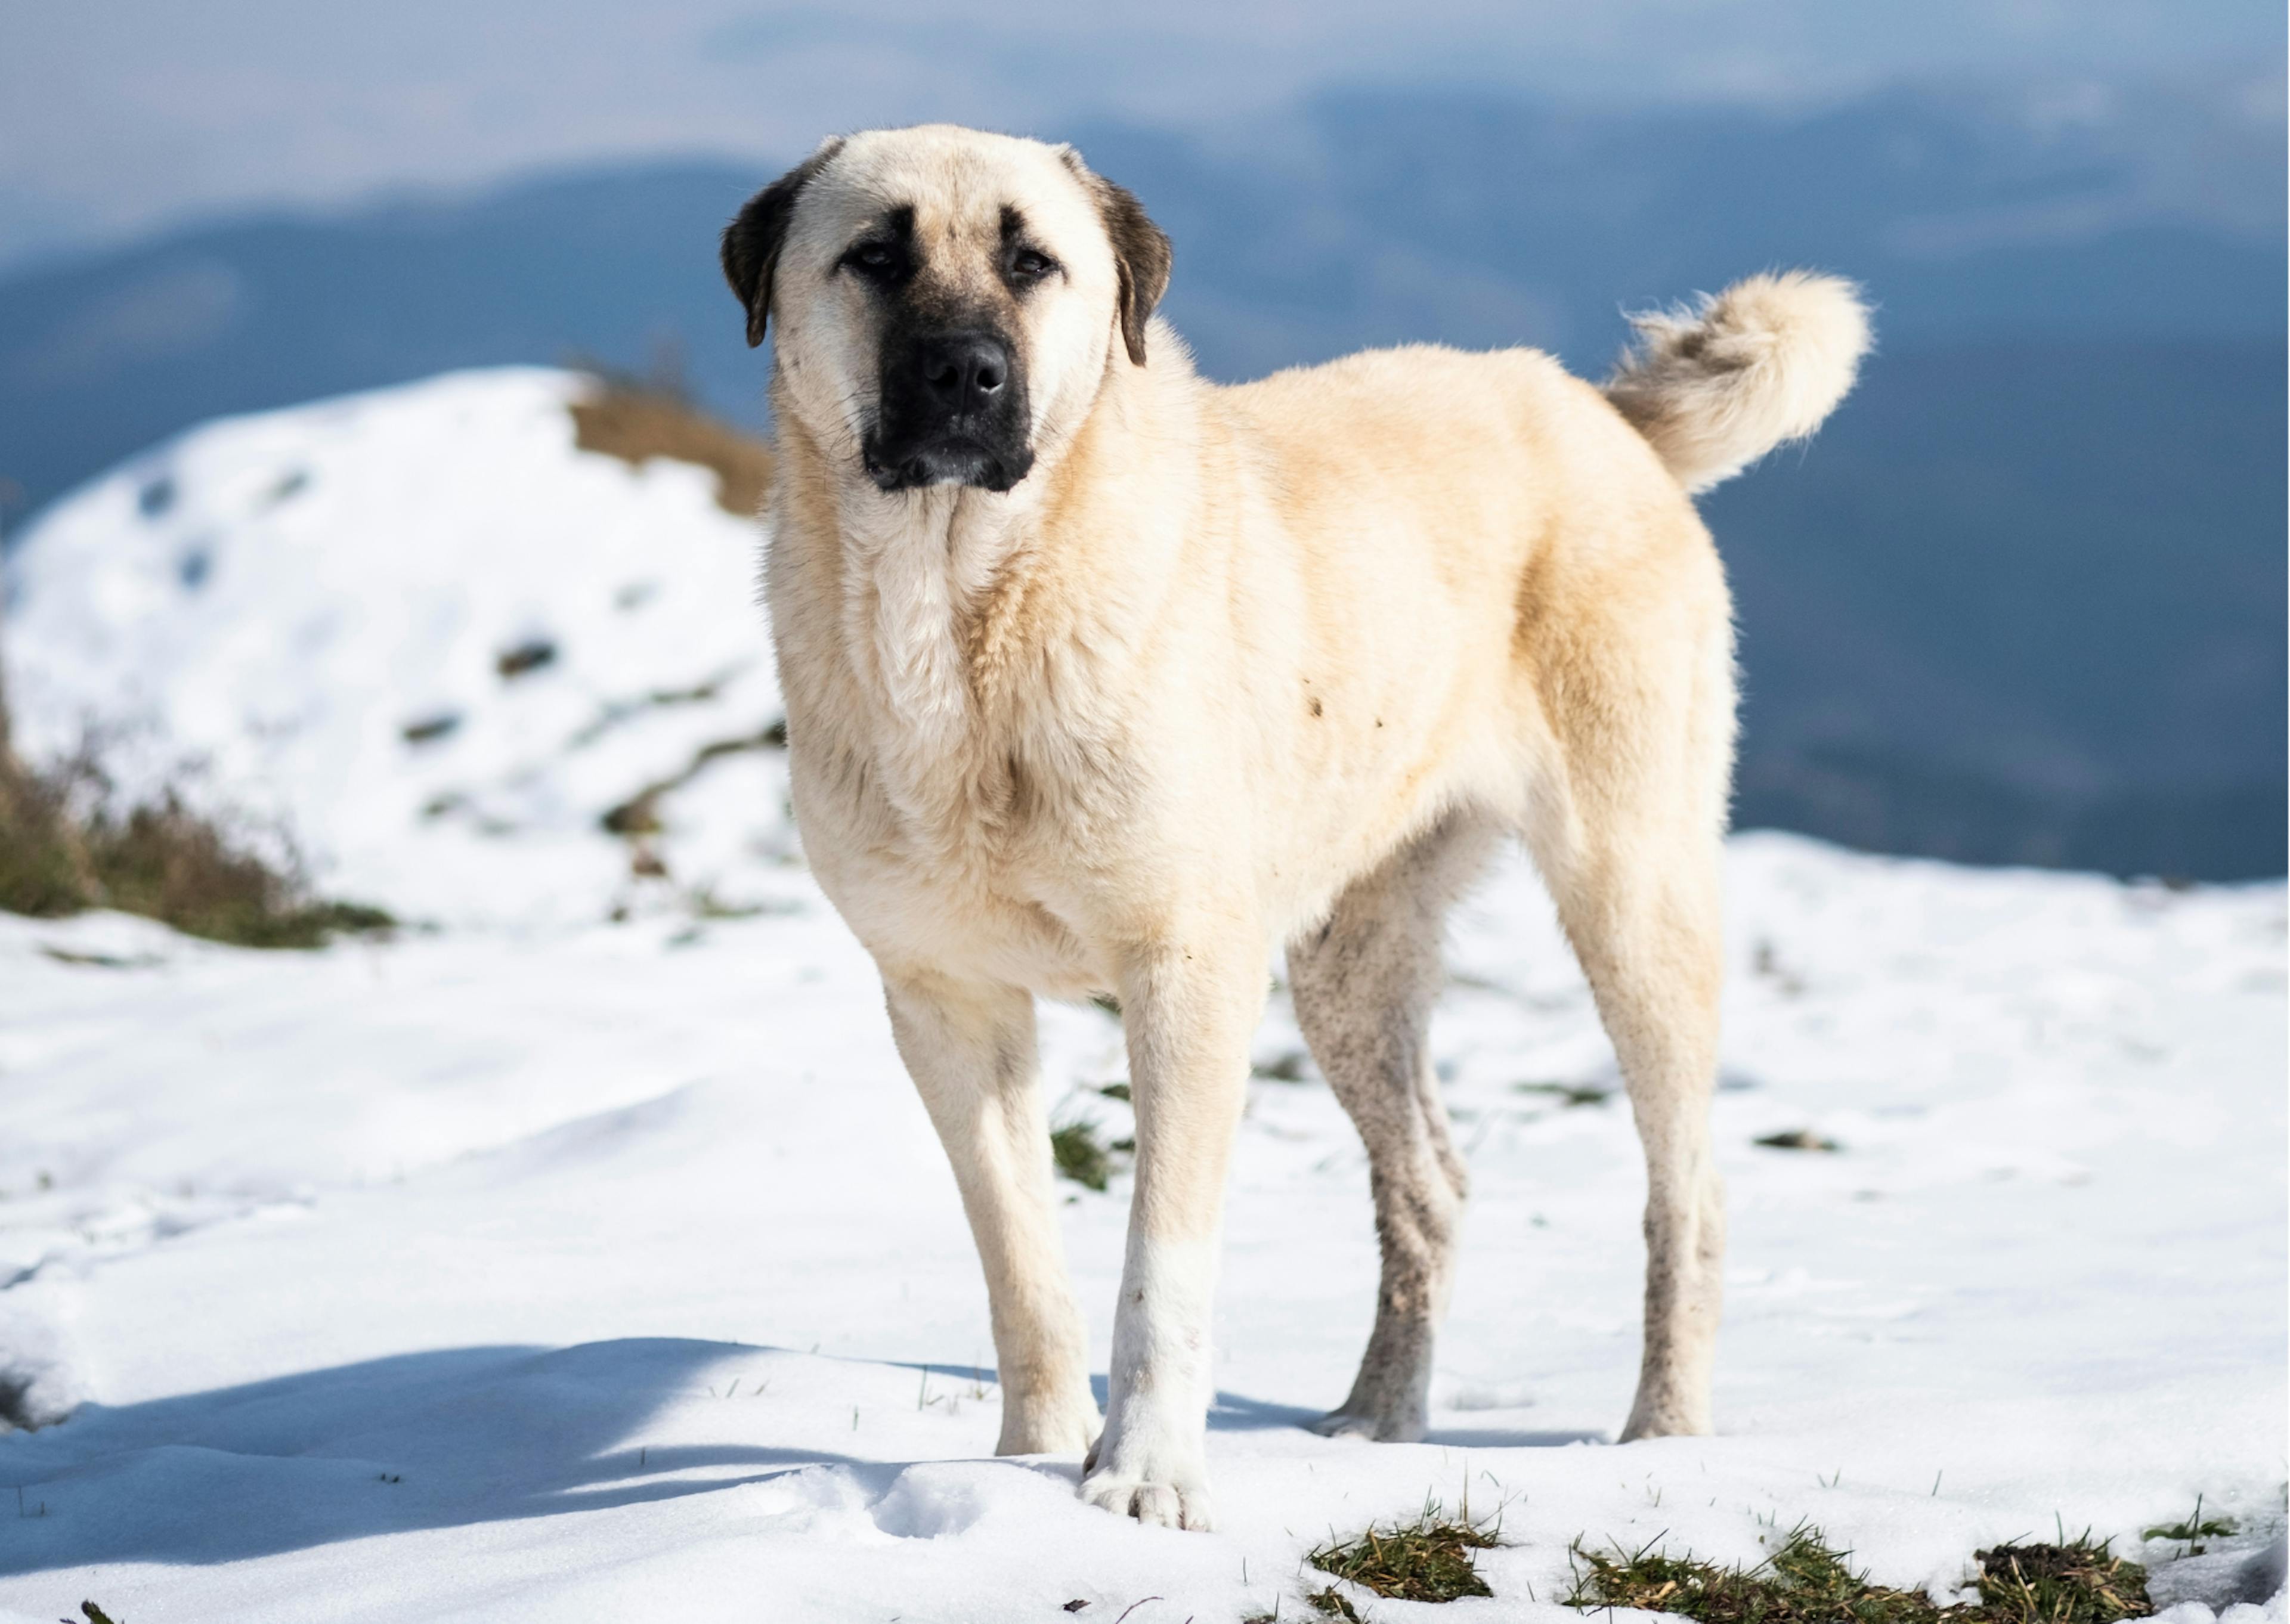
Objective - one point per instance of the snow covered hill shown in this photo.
(553, 1265)
(431, 638)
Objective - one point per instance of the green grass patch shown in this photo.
(1567, 1093)
(1287, 1067)
(1427, 1560)
(1798, 1138)
(1806, 1581)
(2192, 1529)
(1080, 1154)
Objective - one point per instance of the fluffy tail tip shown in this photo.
(1717, 387)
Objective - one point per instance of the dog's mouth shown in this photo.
(952, 460)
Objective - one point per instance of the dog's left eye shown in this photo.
(1031, 265)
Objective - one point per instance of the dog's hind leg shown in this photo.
(1629, 842)
(1364, 987)
(970, 1050)
(1648, 941)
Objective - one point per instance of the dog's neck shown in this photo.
(947, 593)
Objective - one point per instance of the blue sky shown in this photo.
(119, 115)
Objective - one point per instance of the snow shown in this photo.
(273, 601)
(545, 1266)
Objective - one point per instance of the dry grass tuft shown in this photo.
(637, 421)
(66, 845)
(2076, 1582)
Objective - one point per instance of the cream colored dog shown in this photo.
(1103, 679)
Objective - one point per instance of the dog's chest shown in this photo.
(952, 812)
(957, 857)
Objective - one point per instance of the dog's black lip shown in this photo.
(912, 472)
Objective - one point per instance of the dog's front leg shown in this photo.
(970, 1049)
(1188, 1009)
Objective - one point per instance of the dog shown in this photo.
(1104, 680)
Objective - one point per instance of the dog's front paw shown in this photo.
(1148, 1464)
(1167, 1486)
(1173, 1500)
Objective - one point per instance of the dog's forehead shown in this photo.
(957, 183)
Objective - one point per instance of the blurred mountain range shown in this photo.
(2023, 601)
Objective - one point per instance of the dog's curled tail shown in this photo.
(1716, 388)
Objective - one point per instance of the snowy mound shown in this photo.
(429, 639)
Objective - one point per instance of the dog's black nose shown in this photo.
(964, 370)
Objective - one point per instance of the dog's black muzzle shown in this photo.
(953, 411)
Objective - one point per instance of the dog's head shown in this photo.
(946, 301)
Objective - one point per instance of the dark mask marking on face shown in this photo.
(950, 401)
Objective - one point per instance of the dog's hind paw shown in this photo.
(1675, 1420)
(1049, 1428)
(1164, 1505)
(1378, 1429)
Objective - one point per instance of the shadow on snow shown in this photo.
(443, 1439)
(424, 1440)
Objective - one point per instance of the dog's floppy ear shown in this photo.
(1141, 251)
(751, 242)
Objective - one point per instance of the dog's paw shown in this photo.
(1182, 1502)
(1066, 1427)
(1150, 1463)
(1378, 1429)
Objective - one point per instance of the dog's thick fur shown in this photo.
(1224, 668)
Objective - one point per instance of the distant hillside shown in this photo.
(98, 359)
(1386, 218)
(1483, 222)
(2022, 601)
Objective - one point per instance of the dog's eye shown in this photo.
(874, 259)
(1031, 265)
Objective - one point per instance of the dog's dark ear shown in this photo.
(751, 242)
(1141, 252)
(1140, 255)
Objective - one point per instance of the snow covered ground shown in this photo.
(548, 1265)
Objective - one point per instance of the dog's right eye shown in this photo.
(877, 261)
